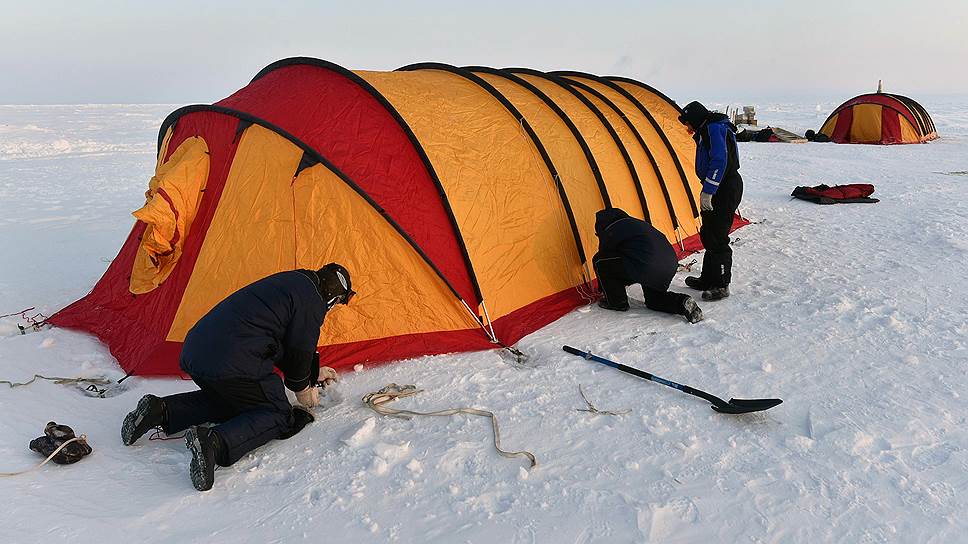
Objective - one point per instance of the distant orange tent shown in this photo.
(879, 118)
(462, 200)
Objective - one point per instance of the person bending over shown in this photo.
(232, 353)
(632, 251)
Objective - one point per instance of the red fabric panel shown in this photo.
(891, 127)
(884, 100)
(134, 327)
(524, 321)
(845, 119)
(843, 192)
(350, 128)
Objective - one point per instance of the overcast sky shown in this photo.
(176, 51)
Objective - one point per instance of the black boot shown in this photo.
(618, 308)
(206, 447)
(150, 413)
(717, 293)
(691, 310)
(697, 283)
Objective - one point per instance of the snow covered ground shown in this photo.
(855, 315)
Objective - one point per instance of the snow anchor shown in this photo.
(734, 406)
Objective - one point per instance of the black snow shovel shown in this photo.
(734, 406)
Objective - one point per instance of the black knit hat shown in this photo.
(694, 114)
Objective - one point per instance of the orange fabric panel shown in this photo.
(252, 234)
(661, 216)
(664, 159)
(648, 180)
(567, 156)
(667, 117)
(866, 127)
(909, 134)
(500, 190)
(173, 195)
(397, 291)
(828, 127)
(615, 172)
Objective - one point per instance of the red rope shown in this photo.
(158, 432)
(30, 319)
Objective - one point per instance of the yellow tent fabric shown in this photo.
(172, 200)
(502, 195)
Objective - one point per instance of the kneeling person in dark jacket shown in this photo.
(632, 251)
(231, 354)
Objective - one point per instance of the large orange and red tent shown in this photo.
(879, 118)
(462, 200)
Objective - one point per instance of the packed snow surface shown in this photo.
(854, 315)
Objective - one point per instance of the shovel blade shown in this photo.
(745, 406)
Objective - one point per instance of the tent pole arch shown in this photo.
(314, 155)
(641, 141)
(536, 141)
(363, 84)
(921, 114)
(611, 81)
(601, 118)
(635, 82)
(592, 163)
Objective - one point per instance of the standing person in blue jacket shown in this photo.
(717, 165)
(231, 354)
(632, 251)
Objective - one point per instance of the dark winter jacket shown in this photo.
(648, 256)
(717, 157)
(273, 322)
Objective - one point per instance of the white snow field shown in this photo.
(855, 315)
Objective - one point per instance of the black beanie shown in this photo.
(694, 114)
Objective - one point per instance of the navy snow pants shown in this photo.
(613, 278)
(717, 263)
(248, 412)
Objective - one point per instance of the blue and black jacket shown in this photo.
(717, 157)
(273, 322)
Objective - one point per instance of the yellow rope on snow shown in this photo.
(376, 401)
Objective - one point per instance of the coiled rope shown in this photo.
(376, 401)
